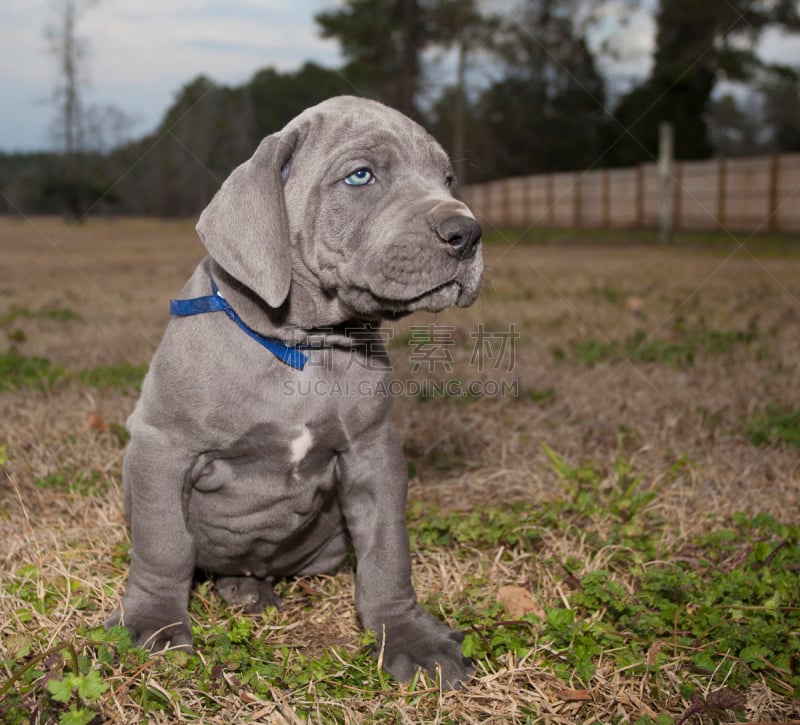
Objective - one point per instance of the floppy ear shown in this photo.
(244, 227)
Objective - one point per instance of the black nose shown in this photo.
(462, 233)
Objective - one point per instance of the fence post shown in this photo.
(505, 190)
(494, 199)
(774, 177)
(665, 150)
(530, 201)
(640, 196)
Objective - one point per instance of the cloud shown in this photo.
(141, 52)
(778, 46)
(137, 41)
(629, 37)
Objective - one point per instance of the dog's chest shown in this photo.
(275, 483)
(268, 475)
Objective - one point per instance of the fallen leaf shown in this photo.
(518, 601)
(94, 422)
(634, 305)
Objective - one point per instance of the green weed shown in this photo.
(726, 604)
(723, 609)
(233, 662)
(19, 371)
(420, 335)
(122, 376)
(442, 389)
(63, 314)
(444, 459)
(43, 597)
(607, 293)
(686, 344)
(73, 688)
(482, 528)
(778, 424)
(77, 481)
(3, 460)
(541, 396)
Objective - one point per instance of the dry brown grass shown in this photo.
(118, 276)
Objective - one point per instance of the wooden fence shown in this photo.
(753, 194)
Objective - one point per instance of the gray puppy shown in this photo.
(245, 460)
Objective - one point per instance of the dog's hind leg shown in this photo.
(329, 559)
(251, 593)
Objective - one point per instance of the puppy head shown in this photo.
(356, 197)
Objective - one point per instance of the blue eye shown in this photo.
(360, 177)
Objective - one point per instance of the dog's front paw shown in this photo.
(157, 627)
(420, 641)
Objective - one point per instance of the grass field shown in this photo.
(617, 533)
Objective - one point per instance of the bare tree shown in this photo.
(106, 127)
(468, 28)
(70, 52)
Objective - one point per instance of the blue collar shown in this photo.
(215, 302)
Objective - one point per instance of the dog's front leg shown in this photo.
(154, 607)
(373, 482)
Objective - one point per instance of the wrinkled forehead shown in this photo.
(350, 126)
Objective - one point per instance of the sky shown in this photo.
(141, 52)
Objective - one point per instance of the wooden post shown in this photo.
(640, 196)
(721, 192)
(506, 201)
(606, 199)
(528, 201)
(666, 145)
(576, 209)
(774, 177)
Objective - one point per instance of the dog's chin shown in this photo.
(367, 304)
(437, 299)
(461, 293)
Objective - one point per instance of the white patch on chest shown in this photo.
(301, 445)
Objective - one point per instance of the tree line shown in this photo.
(509, 94)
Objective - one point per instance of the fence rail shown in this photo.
(757, 193)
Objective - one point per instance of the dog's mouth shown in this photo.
(365, 302)
(453, 292)
(445, 288)
(436, 298)
(460, 288)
